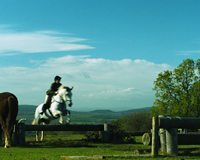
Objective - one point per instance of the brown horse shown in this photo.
(8, 114)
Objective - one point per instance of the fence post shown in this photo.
(155, 144)
(21, 133)
(172, 141)
(163, 137)
(106, 133)
(15, 134)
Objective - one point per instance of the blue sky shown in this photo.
(111, 51)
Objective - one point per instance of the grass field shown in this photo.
(56, 146)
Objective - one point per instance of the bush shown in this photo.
(92, 136)
(139, 121)
(117, 133)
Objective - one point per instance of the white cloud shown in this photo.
(99, 83)
(38, 41)
(128, 89)
(186, 53)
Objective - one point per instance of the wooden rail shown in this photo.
(20, 128)
(168, 133)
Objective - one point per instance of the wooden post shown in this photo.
(15, 134)
(172, 141)
(106, 133)
(21, 133)
(185, 131)
(163, 138)
(155, 145)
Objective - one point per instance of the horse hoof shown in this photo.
(6, 146)
(68, 122)
(60, 122)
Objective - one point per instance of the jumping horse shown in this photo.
(8, 114)
(58, 109)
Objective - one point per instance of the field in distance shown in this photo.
(96, 116)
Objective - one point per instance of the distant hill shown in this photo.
(31, 108)
(146, 109)
(95, 116)
(102, 111)
(26, 108)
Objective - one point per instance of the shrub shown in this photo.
(138, 121)
(117, 133)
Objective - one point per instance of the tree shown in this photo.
(178, 91)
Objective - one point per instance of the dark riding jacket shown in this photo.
(54, 87)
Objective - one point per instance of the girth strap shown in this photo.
(52, 114)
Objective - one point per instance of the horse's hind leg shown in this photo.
(68, 117)
(36, 132)
(42, 132)
(0, 135)
(61, 119)
(10, 127)
(4, 128)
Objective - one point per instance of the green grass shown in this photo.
(56, 146)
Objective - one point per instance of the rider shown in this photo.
(51, 92)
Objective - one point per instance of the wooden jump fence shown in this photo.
(167, 127)
(21, 128)
(164, 131)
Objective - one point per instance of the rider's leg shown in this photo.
(46, 103)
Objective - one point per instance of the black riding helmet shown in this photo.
(57, 78)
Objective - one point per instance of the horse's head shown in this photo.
(66, 94)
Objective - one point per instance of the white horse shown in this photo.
(57, 109)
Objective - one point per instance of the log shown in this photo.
(171, 122)
(82, 157)
(144, 151)
(183, 139)
(163, 138)
(172, 141)
(188, 149)
(188, 139)
(104, 157)
(147, 139)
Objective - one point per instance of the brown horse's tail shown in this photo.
(13, 109)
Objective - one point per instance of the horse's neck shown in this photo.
(58, 98)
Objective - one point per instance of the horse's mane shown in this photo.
(64, 87)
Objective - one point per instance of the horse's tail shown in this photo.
(13, 109)
(36, 117)
(34, 122)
